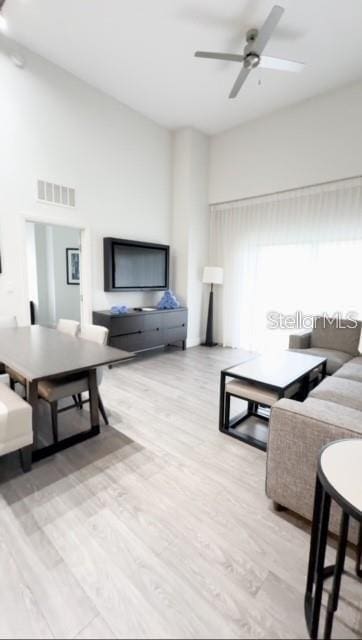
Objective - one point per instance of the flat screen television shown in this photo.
(135, 266)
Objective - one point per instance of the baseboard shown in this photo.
(192, 342)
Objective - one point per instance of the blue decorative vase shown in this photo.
(168, 301)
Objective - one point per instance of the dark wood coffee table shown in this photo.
(261, 381)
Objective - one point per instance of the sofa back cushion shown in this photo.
(341, 335)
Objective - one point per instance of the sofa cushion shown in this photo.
(357, 360)
(350, 371)
(333, 414)
(338, 335)
(335, 359)
(340, 391)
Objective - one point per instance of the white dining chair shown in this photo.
(7, 322)
(98, 334)
(52, 391)
(16, 430)
(71, 327)
(95, 333)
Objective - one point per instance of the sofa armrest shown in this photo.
(301, 340)
(297, 433)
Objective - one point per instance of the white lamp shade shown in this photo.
(213, 275)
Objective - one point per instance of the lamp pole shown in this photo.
(210, 320)
(211, 276)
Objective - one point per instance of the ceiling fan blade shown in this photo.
(267, 62)
(232, 57)
(267, 29)
(239, 82)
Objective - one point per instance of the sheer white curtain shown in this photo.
(295, 251)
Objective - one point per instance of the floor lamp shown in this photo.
(211, 276)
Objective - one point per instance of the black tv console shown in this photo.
(142, 330)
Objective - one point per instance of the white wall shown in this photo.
(190, 224)
(55, 127)
(32, 273)
(44, 278)
(315, 141)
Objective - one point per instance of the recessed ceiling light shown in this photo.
(3, 23)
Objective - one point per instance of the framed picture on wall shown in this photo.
(73, 266)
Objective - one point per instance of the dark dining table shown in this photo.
(39, 353)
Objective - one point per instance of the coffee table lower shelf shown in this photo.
(250, 427)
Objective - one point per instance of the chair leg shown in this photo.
(80, 401)
(76, 402)
(26, 458)
(102, 409)
(12, 383)
(54, 412)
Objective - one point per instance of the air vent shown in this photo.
(56, 194)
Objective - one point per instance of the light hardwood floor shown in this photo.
(159, 528)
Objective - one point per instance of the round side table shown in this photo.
(339, 478)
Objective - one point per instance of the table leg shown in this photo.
(32, 398)
(227, 411)
(316, 573)
(314, 538)
(222, 402)
(321, 553)
(359, 554)
(93, 398)
(304, 389)
(338, 570)
(324, 369)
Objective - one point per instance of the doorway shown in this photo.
(54, 272)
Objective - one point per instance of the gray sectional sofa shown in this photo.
(299, 430)
(337, 340)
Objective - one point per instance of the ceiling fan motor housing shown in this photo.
(251, 60)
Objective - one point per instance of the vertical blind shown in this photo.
(299, 250)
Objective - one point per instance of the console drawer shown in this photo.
(155, 338)
(175, 334)
(173, 319)
(130, 342)
(153, 320)
(126, 324)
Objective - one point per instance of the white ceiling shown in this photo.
(141, 52)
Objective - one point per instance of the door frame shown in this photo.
(55, 219)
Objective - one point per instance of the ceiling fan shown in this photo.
(257, 39)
